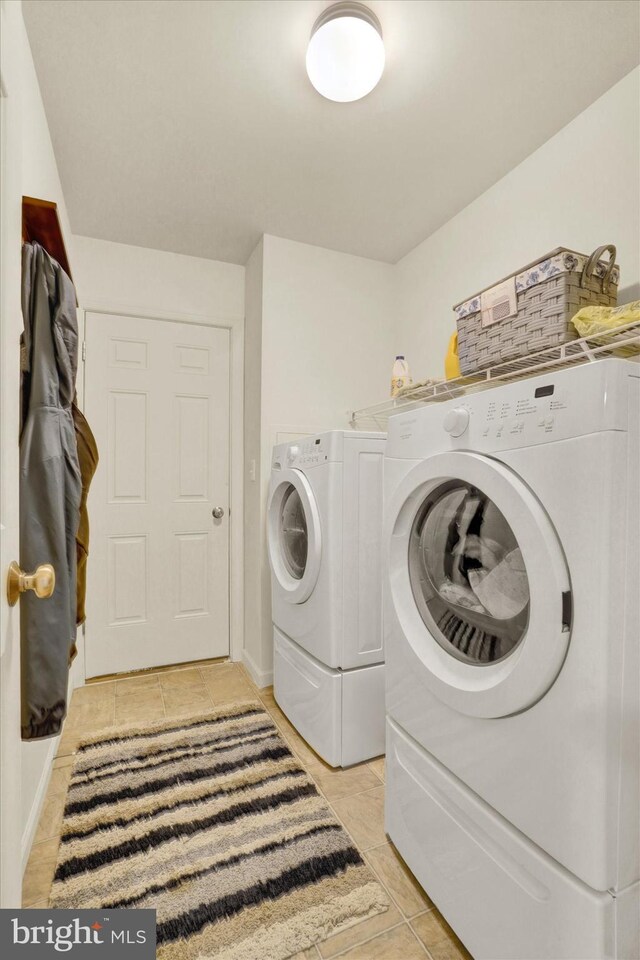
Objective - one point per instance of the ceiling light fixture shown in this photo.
(345, 56)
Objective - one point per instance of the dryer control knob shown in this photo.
(292, 453)
(456, 421)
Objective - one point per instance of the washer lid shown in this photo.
(479, 583)
(294, 536)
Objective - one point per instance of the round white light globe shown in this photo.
(345, 57)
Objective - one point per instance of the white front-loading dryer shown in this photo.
(324, 537)
(511, 632)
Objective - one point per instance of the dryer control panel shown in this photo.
(315, 449)
(305, 452)
(308, 453)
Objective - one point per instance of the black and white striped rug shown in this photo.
(212, 822)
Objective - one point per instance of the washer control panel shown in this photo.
(534, 413)
(527, 414)
(512, 418)
(558, 405)
(456, 421)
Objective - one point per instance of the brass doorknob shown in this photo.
(42, 581)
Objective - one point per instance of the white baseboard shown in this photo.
(36, 807)
(261, 678)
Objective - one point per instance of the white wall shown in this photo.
(116, 274)
(30, 153)
(579, 190)
(326, 323)
(328, 333)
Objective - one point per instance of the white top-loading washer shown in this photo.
(511, 627)
(324, 535)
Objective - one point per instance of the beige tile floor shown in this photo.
(411, 928)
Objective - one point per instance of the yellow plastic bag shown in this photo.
(590, 321)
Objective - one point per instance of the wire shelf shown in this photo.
(622, 341)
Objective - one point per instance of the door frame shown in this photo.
(235, 326)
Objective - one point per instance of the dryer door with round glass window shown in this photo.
(294, 539)
(479, 583)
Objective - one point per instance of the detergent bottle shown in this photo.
(400, 375)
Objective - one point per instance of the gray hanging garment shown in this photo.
(50, 488)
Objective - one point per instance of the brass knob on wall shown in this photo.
(42, 581)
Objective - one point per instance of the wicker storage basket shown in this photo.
(531, 310)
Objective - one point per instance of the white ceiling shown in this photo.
(191, 126)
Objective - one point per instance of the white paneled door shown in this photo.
(157, 399)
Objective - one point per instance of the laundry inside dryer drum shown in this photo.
(294, 533)
(468, 575)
